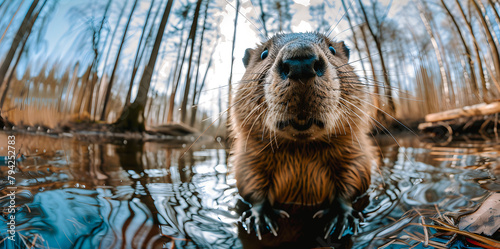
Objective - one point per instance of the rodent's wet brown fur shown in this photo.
(286, 166)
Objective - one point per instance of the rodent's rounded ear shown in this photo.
(345, 49)
(246, 58)
(340, 46)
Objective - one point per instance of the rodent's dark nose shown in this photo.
(302, 68)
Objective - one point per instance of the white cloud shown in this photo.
(303, 2)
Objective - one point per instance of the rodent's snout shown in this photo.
(300, 62)
(300, 68)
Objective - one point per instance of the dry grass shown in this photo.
(429, 227)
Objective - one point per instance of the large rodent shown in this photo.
(300, 122)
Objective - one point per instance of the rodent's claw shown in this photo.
(257, 230)
(360, 216)
(321, 213)
(356, 225)
(262, 218)
(270, 225)
(342, 220)
(330, 227)
(282, 213)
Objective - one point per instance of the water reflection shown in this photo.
(79, 193)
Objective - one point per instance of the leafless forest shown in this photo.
(143, 63)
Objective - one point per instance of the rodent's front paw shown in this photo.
(262, 218)
(340, 220)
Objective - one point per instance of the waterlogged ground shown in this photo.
(74, 193)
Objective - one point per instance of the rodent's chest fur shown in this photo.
(301, 176)
(307, 174)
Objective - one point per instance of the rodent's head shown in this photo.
(299, 87)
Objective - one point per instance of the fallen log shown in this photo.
(174, 129)
(468, 111)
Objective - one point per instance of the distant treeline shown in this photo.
(415, 57)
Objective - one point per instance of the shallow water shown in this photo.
(76, 193)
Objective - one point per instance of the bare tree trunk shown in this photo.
(195, 88)
(442, 70)
(117, 61)
(355, 39)
(473, 80)
(101, 82)
(390, 101)
(444, 56)
(132, 118)
(12, 73)
(21, 32)
(263, 18)
(96, 38)
(138, 55)
(177, 77)
(196, 97)
(487, 19)
(494, 10)
(12, 19)
(491, 41)
(170, 81)
(477, 53)
(376, 90)
(230, 87)
(21, 50)
(192, 38)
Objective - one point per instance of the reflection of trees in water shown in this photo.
(146, 195)
(197, 210)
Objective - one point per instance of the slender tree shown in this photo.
(378, 43)
(487, 19)
(354, 36)
(476, 52)
(96, 41)
(191, 40)
(138, 54)
(376, 86)
(178, 71)
(494, 10)
(113, 73)
(197, 95)
(491, 41)
(12, 19)
(468, 55)
(132, 117)
(20, 53)
(108, 53)
(198, 63)
(442, 70)
(263, 18)
(23, 30)
(230, 86)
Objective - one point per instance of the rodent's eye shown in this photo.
(332, 50)
(264, 54)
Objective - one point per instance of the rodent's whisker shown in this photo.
(250, 131)
(250, 114)
(395, 119)
(355, 61)
(386, 131)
